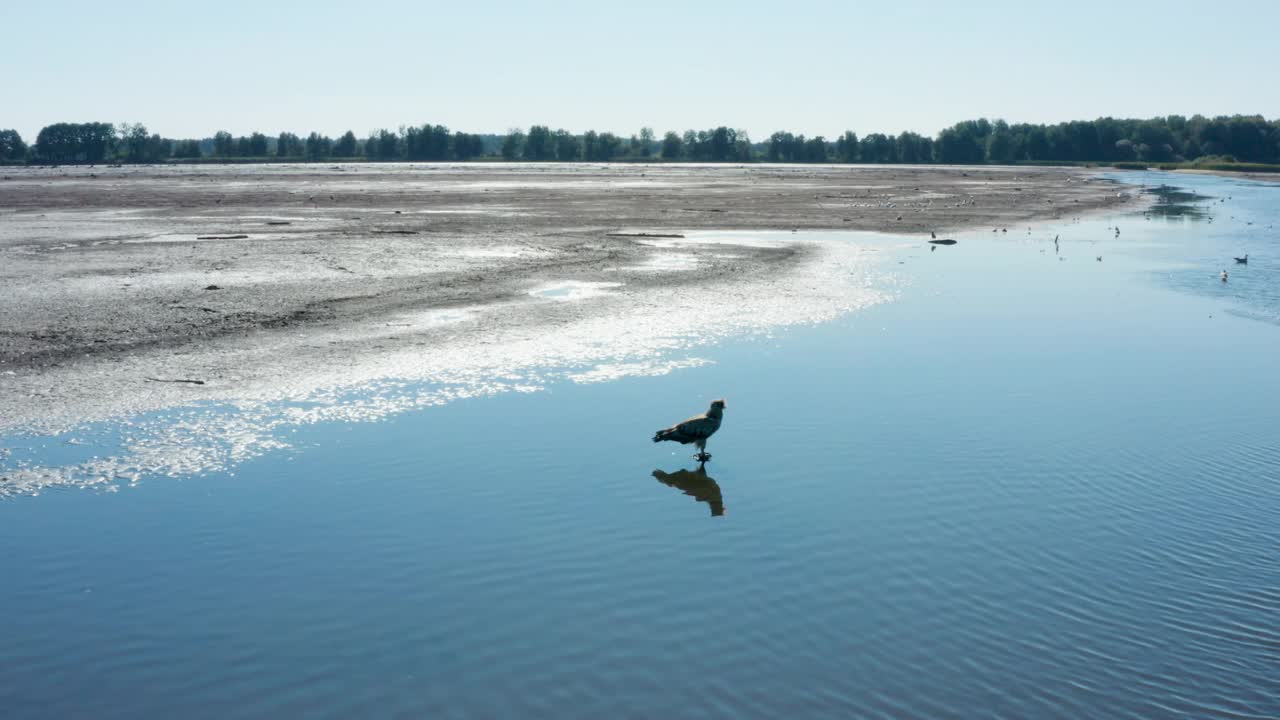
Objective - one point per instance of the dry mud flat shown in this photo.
(278, 280)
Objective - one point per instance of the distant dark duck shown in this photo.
(697, 430)
(948, 241)
(933, 235)
(1244, 260)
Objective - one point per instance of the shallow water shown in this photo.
(1034, 485)
(1239, 218)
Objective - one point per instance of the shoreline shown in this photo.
(111, 305)
(1242, 175)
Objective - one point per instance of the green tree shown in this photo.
(136, 145)
(600, 147)
(815, 150)
(847, 147)
(429, 142)
(384, 145)
(289, 145)
(567, 147)
(672, 146)
(318, 146)
(780, 148)
(1000, 145)
(76, 142)
(187, 149)
(512, 145)
(723, 141)
(646, 141)
(878, 148)
(224, 145)
(12, 148)
(467, 146)
(257, 145)
(964, 142)
(1036, 144)
(539, 145)
(690, 142)
(609, 147)
(346, 145)
(911, 148)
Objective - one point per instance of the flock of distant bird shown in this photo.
(935, 242)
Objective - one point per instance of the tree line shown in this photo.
(1243, 138)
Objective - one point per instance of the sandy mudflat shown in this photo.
(113, 280)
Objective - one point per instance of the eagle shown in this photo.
(696, 430)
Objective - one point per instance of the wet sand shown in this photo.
(116, 282)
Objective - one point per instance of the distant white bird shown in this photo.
(697, 430)
(1224, 276)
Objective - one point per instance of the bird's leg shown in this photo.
(702, 455)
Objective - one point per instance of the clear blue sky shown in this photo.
(188, 69)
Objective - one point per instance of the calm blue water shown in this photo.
(1029, 487)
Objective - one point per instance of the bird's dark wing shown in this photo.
(698, 427)
(695, 428)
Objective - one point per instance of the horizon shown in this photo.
(658, 132)
(822, 69)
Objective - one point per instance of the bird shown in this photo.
(697, 430)
(1244, 260)
(1099, 258)
(933, 235)
(1224, 276)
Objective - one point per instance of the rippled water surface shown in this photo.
(1034, 485)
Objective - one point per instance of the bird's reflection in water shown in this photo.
(696, 484)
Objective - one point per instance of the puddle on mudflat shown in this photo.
(666, 262)
(573, 290)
